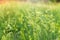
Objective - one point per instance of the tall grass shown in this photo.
(29, 23)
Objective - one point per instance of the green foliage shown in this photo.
(29, 23)
(55, 0)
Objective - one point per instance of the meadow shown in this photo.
(29, 22)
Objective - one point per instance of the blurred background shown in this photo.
(33, 1)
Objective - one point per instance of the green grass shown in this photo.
(29, 23)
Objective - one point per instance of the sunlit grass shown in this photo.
(19, 21)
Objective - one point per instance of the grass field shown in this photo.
(29, 21)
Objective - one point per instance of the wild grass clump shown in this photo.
(29, 23)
